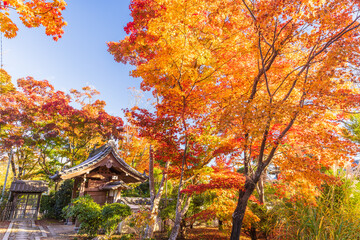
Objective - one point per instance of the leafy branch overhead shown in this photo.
(33, 13)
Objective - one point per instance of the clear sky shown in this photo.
(80, 57)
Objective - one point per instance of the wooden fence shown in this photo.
(6, 212)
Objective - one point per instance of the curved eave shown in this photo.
(130, 170)
(91, 163)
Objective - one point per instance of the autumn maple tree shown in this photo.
(46, 132)
(165, 137)
(275, 75)
(88, 126)
(223, 181)
(179, 100)
(183, 166)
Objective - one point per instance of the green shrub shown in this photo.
(87, 212)
(51, 205)
(63, 197)
(112, 215)
(47, 204)
(92, 216)
(140, 190)
(267, 220)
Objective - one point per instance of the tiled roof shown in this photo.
(96, 156)
(28, 186)
(93, 159)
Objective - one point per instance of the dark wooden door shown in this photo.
(99, 197)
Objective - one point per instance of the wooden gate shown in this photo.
(24, 200)
(26, 206)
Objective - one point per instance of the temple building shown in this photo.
(102, 176)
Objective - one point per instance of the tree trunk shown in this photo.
(155, 199)
(13, 167)
(179, 215)
(239, 212)
(151, 176)
(154, 210)
(149, 231)
(182, 229)
(175, 229)
(260, 188)
(253, 232)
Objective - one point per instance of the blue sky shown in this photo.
(80, 57)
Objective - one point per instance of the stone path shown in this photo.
(24, 230)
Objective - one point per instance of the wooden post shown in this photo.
(82, 186)
(69, 221)
(27, 199)
(81, 194)
(38, 206)
(75, 188)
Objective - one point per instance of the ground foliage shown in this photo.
(333, 214)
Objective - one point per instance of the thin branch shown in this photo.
(251, 13)
(263, 67)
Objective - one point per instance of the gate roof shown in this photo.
(28, 186)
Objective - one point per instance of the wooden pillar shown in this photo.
(38, 206)
(69, 221)
(118, 195)
(13, 211)
(27, 199)
(107, 196)
(81, 194)
(82, 186)
(75, 188)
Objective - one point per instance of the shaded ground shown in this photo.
(3, 227)
(56, 230)
(36, 230)
(192, 234)
(203, 233)
(25, 230)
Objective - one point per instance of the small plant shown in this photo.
(139, 220)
